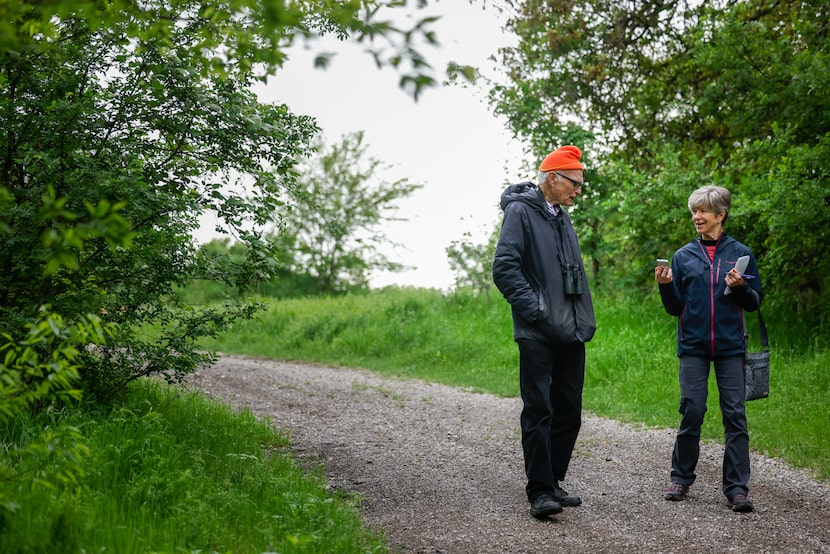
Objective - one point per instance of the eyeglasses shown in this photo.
(574, 182)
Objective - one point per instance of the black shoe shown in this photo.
(543, 506)
(740, 503)
(676, 492)
(564, 498)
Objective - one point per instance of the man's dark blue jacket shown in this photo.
(527, 269)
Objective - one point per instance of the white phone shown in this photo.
(662, 262)
(740, 266)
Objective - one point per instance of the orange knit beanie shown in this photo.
(566, 157)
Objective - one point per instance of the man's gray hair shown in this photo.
(713, 198)
(542, 176)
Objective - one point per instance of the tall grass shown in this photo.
(456, 340)
(465, 341)
(167, 471)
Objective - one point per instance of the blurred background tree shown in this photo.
(331, 226)
(472, 262)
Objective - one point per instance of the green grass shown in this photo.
(167, 471)
(418, 333)
(631, 368)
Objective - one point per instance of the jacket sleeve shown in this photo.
(508, 275)
(671, 299)
(669, 293)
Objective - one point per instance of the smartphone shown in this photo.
(662, 263)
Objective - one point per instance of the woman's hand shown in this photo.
(662, 274)
(734, 279)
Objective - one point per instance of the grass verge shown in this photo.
(166, 471)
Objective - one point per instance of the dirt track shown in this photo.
(440, 470)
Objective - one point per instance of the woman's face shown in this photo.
(707, 223)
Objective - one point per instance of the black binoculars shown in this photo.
(572, 275)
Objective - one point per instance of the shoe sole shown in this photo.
(743, 508)
(568, 504)
(675, 497)
(542, 514)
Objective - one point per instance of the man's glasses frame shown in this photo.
(576, 184)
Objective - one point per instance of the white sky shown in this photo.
(447, 140)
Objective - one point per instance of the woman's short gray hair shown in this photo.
(713, 198)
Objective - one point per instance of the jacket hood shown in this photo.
(523, 192)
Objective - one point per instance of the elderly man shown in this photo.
(538, 268)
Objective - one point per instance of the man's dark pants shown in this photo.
(551, 377)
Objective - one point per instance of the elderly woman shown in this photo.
(708, 295)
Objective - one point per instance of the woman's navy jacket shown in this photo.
(710, 323)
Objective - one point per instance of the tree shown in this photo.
(473, 263)
(238, 35)
(336, 210)
(224, 256)
(122, 122)
(676, 95)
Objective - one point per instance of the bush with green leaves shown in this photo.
(123, 123)
(44, 363)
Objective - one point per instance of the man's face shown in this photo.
(563, 186)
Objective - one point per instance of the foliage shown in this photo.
(41, 471)
(332, 225)
(472, 263)
(181, 472)
(223, 255)
(230, 36)
(43, 365)
(677, 95)
(124, 122)
(114, 149)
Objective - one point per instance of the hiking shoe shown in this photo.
(676, 491)
(543, 506)
(565, 499)
(741, 503)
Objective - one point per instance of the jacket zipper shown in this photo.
(712, 308)
(713, 275)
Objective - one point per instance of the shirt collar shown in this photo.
(553, 209)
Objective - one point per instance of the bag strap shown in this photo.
(763, 330)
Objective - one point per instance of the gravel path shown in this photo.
(440, 470)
